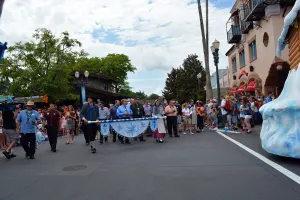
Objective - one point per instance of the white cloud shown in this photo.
(136, 20)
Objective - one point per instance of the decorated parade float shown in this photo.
(280, 133)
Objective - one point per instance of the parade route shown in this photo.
(202, 166)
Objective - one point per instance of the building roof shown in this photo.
(230, 50)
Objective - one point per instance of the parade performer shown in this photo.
(113, 116)
(52, 118)
(158, 111)
(138, 112)
(26, 122)
(90, 112)
(103, 115)
(124, 112)
(70, 124)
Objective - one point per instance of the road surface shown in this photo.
(203, 166)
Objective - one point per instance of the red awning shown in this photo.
(233, 90)
(241, 89)
(251, 86)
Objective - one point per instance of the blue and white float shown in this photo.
(280, 133)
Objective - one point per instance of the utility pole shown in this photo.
(205, 39)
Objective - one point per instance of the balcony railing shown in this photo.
(257, 10)
(234, 35)
(245, 26)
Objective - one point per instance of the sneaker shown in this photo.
(12, 155)
(26, 155)
(31, 157)
(177, 135)
(184, 133)
(94, 150)
(161, 141)
(127, 142)
(192, 133)
(6, 154)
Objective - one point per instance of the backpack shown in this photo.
(227, 106)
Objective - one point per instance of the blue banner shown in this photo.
(128, 127)
(83, 95)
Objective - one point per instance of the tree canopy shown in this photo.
(182, 83)
(45, 66)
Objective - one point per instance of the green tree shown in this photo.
(115, 66)
(42, 66)
(153, 96)
(140, 95)
(182, 83)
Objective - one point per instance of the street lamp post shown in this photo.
(199, 80)
(215, 51)
(82, 82)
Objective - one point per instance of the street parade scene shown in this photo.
(149, 100)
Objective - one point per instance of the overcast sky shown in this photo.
(156, 34)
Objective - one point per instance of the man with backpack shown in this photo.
(226, 111)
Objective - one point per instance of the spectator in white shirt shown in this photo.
(187, 119)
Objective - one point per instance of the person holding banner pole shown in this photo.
(158, 111)
(124, 112)
(138, 112)
(90, 112)
(103, 115)
(113, 116)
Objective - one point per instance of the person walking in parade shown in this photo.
(103, 115)
(113, 116)
(138, 112)
(124, 112)
(90, 112)
(70, 124)
(26, 122)
(52, 118)
(158, 111)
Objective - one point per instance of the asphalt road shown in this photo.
(203, 166)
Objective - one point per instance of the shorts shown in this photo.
(12, 135)
(234, 119)
(187, 120)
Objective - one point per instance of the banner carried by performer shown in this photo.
(128, 127)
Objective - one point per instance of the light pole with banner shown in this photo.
(215, 51)
(82, 82)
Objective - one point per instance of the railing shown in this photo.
(234, 35)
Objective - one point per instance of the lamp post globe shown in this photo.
(216, 44)
(212, 48)
(77, 74)
(86, 74)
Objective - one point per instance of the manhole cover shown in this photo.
(74, 168)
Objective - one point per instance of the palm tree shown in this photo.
(205, 40)
(1, 6)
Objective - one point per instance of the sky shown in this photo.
(156, 34)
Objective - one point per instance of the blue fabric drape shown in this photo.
(128, 128)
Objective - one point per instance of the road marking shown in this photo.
(220, 130)
(279, 168)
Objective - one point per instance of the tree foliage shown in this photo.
(182, 83)
(115, 66)
(46, 65)
(42, 66)
(153, 96)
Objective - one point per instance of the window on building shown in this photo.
(242, 59)
(234, 68)
(253, 51)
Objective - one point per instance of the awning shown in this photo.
(241, 89)
(233, 90)
(251, 86)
